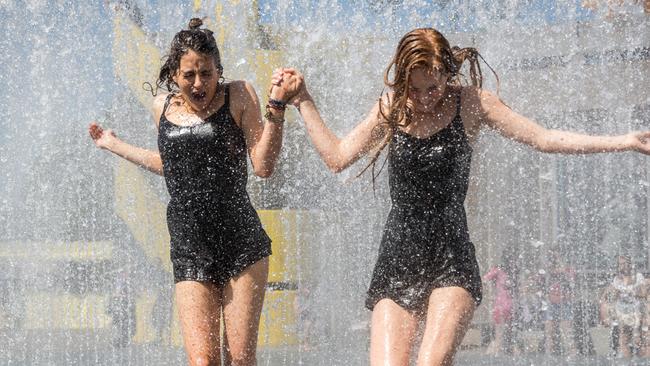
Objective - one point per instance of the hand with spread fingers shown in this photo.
(639, 141)
(103, 139)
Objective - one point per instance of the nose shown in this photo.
(198, 82)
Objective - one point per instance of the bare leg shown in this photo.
(496, 346)
(199, 310)
(392, 334)
(449, 314)
(566, 328)
(625, 341)
(550, 327)
(243, 300)
(643, 341)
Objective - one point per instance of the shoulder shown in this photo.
(476, 97)
(159, 100)
(241, 90)
(483, 105)
(243, 99)
(159, 104)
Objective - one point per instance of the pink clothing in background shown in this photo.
(502, 310)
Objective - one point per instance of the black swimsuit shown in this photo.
(426, 243)
(214, 229)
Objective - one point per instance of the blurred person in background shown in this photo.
(502, 308)
(622, 308)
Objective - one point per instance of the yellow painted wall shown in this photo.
(65, 311)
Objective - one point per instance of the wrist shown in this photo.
(280, 97)
(274, 111)
(274, 115)
(628, 142)
(110, 145)
(277, 104)
(301, 99)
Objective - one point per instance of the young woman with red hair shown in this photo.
(428, 121)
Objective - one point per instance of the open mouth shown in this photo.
(198, 96)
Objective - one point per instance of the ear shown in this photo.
(175, 77)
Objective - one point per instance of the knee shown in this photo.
(204, 359)
(440, 357)
(441, 354)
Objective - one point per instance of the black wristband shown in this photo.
(278, 104)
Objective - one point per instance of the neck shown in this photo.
(436, 108)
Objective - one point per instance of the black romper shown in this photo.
(214, 229)
(425, 244)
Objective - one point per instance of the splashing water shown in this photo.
(85, 272)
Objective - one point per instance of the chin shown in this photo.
(433, 105)
(202, 105)
(425, 108)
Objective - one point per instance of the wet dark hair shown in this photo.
(195, 38)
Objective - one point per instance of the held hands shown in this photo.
(102, 138)
(290, 84)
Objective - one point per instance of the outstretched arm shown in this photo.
(107, 140)
(337, 153)
(519, 128)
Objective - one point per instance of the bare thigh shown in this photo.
(392, 334)
(449, 314)
(199, 311)
(243, 299)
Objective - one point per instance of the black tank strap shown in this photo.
(458, 104)
(167, 99)
(226, 95)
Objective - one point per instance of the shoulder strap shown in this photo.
(226, 95)
(458, 104)
(167, 100)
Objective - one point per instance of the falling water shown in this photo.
(85, 274)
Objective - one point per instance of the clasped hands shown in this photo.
(288, 85)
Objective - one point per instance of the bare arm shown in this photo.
(519, 128)
(337, 153)
(107, 140)
(263, 140)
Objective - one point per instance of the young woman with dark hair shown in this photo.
(219, 250)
